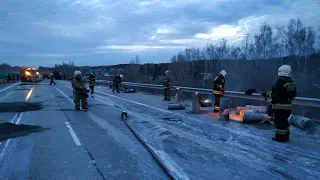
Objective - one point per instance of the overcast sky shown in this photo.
(103, 32)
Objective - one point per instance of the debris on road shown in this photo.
(129, 90)
(176, 106)
(259, 109)
(224, 111)
(251, 116)
(302, 122)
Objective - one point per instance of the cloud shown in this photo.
(110, 31)
(137, 47)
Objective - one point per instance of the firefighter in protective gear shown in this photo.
(79, 91)
(282, 94)
(116, 83)
(166, 86)
(218, 89)
(52, 79)
(92, 81)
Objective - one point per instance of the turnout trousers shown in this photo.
(281, 124)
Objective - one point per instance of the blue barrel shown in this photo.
(225, 104)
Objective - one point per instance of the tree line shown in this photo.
(252, 64)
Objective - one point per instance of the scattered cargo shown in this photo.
(129, 90)
(251, 116)
(301, 122)
(225, 104)
(176, 106)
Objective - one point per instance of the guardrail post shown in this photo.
(196, 103)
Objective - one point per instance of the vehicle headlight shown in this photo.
(28, 73)
(37, 73)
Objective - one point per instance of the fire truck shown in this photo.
(29, 74)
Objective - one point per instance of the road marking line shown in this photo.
(19, 118)
(16, 118)
(3, 97)
(29, 94)
(73, 134)
(51, 95)
(9, 87)
(64, 94)
(4, 149)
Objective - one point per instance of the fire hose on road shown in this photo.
(124, 117)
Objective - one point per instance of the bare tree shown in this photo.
(137, 59)
(246, 47)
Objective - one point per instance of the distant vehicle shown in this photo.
(45, 74)
(29, 74)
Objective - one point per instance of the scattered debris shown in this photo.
(224, 111)
(259, 109)
(129, 90)
(250, 116)
(20, 106)
(302, 122)
(176, 106)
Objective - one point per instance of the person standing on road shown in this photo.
(79, 91)
(92, 81)
(167, 82)
(282, 94)
(116, 83)
(218, 89)
(52, 79)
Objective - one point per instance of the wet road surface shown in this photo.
(60, 143)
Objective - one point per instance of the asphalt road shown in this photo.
(70, 144)
(61, 143)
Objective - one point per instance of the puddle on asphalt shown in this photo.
(22, 89)
(20, 106)
(10, 130)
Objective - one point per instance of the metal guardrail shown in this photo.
(301, 101)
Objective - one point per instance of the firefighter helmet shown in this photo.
(77, 73)
(121, 76)
(285, 70)
(166, 72)
(223, 73)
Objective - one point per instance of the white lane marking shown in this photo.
(64, 94)
(51, 95)
(176, 169)
(2, 98)
(9, 87)
(14, 118)
(29, 94)
(73, 134)
(17, 119)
